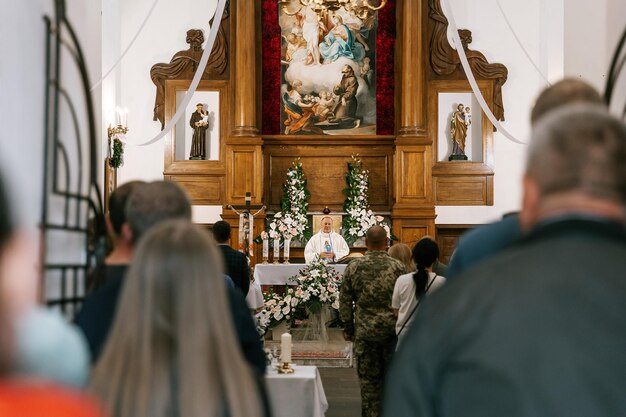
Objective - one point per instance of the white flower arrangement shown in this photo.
(292, 222)
(360, 218)
(317, 285)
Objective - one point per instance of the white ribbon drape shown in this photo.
(250, 237)
(145, 20)
(447, 11)
(197, 76)
(241, 234)
(519, 42)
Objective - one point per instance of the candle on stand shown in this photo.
(266, 250)
(286, 250)
(285, 348)
(276, 250)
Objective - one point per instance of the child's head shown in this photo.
(467, 110)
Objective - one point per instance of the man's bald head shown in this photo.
(567, 91)
(376, 238)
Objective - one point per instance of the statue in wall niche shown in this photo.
(199, 122)
(461, 120)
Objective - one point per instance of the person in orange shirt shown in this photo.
(20, 395)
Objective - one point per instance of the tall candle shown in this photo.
(286, 248)
(266, 250)
(276, 249)
(285, 348)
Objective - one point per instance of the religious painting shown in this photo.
(459, 127)
(328, 70)
(197, 137)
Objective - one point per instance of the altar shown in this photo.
(279, 274)
(297, 394)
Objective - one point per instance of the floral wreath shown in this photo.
(117, 153)
(291, 222)
(360, 218)
(317, 285)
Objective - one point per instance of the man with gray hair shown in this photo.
(539, 329)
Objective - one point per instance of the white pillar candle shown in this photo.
(276, 249)
(286, 248)
(266, 250)
(285, 348)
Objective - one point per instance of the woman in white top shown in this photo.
(410, 288)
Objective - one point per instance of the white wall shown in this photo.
(163, 35)
(533, 22)
(21, 104)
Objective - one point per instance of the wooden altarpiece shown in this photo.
(408, 176)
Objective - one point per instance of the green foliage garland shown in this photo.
(117, 156)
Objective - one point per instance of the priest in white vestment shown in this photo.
(326, 243)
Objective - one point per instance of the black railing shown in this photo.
(72, 221)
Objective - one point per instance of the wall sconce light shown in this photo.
(115, 153)
(116, 147)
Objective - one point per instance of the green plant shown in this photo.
(292, 222)
(117, 155)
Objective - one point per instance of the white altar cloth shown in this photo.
(300, 394)
(278, 274)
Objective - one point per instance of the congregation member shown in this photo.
(235, 262)
(118, 259)
(365, 309)
(144, 205)
(479, 244)
(148, 205)
(326, 244)
(537, 330)
(173, 350)
(402, 252)
(412, 287)
(23, 393)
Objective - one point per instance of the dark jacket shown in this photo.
(538, 330)
(237, 269)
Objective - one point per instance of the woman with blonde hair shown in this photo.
(402, 252)
(172, 349)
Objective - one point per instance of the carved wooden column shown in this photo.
(412, 91)
(244, 153)
(413, 212)
(245, 85)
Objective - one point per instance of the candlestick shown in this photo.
(285, 348)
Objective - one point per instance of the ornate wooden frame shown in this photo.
(174, 166)
(462, 182)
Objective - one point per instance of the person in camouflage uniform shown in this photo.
(365, 308)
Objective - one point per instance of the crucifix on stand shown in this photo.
(246, 224)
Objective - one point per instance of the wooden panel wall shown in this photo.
(413, 172)
(325, 167)
(447, 238)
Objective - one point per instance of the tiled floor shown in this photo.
(341, 386)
